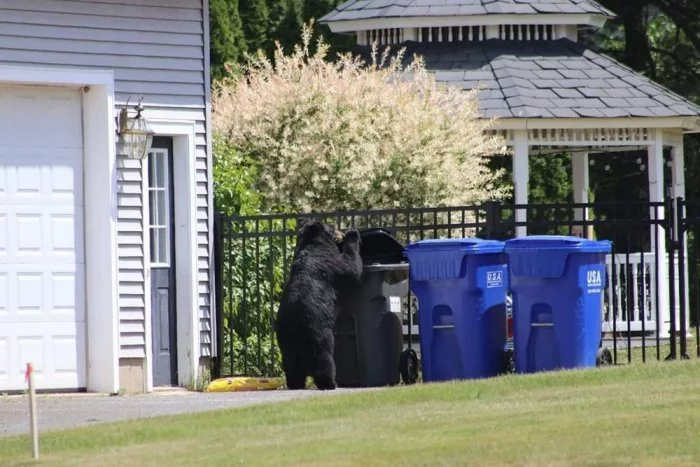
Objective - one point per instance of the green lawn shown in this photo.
(634, 415)
(638, 356)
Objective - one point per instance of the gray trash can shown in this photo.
(369, 330)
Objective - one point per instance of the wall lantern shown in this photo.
(135, 134)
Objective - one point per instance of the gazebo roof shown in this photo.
(547, 79)
(353, 10)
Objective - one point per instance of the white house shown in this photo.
(105, 260)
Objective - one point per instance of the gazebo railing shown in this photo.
(634, 290)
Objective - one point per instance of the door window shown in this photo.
(159, 207)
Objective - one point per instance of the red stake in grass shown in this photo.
(29, 378)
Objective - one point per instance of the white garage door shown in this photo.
(42, 280)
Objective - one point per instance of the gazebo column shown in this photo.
(580, 176)
(521, 178)
(656, 194)
(678, 169)
(678, 190)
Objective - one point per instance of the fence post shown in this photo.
(670, 239)
(682, 276)
(217, 361)
(493, 219)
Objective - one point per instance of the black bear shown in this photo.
(320, 275)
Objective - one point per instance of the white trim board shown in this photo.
(186, 280)
(686, 124)
(100, 188)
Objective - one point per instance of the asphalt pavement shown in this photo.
(77, 410)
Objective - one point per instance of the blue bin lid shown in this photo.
(559, 242)
(442, 258)
(546, 255)
(473, 245)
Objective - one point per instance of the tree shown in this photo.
(668, 52)
(227, 43)
(647, 34)
(350, 135)
(285, 24)
(255, 16)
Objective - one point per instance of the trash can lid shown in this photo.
(441, 259)
(467, 245)
(546, 255)
(378, 246)
(558, 242)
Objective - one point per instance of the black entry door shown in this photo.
(162, 261)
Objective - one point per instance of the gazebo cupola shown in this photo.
(393, 22)
(548, 91)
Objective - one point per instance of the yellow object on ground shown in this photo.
(244, 383)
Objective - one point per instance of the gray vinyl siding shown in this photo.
(156, 49)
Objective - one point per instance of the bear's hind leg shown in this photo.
(324, 363)
(293, 366)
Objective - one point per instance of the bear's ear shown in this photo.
(300, 230)
(310, 229)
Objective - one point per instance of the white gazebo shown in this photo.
(549, 92)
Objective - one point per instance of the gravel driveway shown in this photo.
(75, 410)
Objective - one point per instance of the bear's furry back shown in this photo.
(310, 294)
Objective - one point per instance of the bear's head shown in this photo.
(314, 227)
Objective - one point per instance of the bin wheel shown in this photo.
(508, 361)
(604, 357)
(408, 366)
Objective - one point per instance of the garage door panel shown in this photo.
(3, 182)
(4, 296)
(41, 233)
(5, 361)
(4, 235)
(68, 296)
(33, 293)
(30, 294)
(65, 232)
(29, 179)
(54, 112)
(29, 230)
(28, 182)
(54, 349)
(63, 185)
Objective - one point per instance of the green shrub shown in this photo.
(324, 135)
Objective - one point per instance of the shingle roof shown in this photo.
(367, 9)
(547, 79)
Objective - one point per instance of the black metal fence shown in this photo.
(687, 244)
(646, 301)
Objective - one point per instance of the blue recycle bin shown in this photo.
(557, 285)
(461, 287)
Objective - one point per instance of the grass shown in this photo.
(633, 415)
(637, 355)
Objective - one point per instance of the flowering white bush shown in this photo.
(352, 135)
